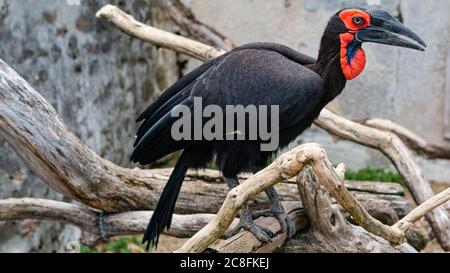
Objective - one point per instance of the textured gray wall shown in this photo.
(403, 85)
(97, 78)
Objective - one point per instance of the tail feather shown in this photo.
(162, 215)
(161, 112)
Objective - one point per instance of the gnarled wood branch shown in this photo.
(414, 142)
(388, 143)
(157, 37)
(329, 230)
(392, 146)
(87, 220)
(383, 200)
(286, 167)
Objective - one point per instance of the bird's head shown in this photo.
(355, 26)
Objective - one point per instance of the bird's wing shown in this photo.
(187, 80)
(262, 77)
(254, 74)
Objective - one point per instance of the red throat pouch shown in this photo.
(351, 67)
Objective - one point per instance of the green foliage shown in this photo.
(374, 174)
(118, 245)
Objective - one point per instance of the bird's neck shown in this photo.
(328, 66)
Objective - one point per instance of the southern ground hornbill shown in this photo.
(260, 74)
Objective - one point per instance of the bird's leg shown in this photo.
(277, 210)
(246, 220)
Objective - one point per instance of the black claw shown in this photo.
(261, 233)
(287, 225)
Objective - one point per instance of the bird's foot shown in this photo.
(261, 233)
(246, 222)
(286, 223)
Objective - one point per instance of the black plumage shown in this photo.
(253, 74)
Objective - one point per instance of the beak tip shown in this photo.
(422, 43)
(423, 46)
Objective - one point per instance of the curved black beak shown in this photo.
(386, 29)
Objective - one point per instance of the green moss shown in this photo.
(374, 174)
(117, 245)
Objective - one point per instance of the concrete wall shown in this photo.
(400, 84)
(98, 80)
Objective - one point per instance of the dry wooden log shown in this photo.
(127, 223)
(329, 231)
(286, 167)
(183, 226)
(388, 143)
(207, 190)
(418, 236)
(33, 129)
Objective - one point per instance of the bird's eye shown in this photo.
(358, 20)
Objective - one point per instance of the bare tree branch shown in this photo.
(414, 142)
(157, 37)
(391, 145)
(431, 204)
(87, 220)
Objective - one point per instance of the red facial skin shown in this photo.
(357, 64)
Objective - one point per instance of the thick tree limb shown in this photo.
(431, 204)
(414, 142)
(379, 198)
(34, 130)
(87, 220)
(285, 167)
(157, 37)
(329, 230)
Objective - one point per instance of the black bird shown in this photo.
(261, 74)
